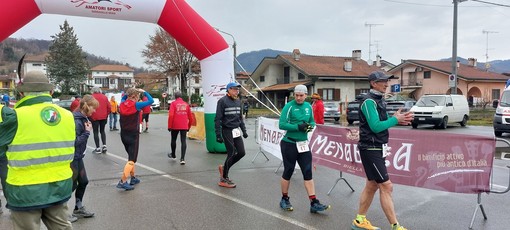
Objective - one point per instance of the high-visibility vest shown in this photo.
(43, 147)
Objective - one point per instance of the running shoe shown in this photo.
(146, 130)
(134, 181)
(72, 218)
(126, 186)
(220, 169)
(226, 183)
(104, 149)
(318, 207)
(97, 150)
(365, 225)
(82, 213)
(285, 204)
(398, 227)
(183, 162)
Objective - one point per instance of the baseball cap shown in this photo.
(300, 89)
(232, 84)
(379, 76)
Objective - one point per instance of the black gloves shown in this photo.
(245, 135)
(305, 127)
(219, 139)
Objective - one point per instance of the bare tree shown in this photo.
(167, 56)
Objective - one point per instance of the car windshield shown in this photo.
(505, 99)
(431, 101)
(353, 105)
(330, 105)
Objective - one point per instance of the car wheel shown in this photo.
(337, 118)
(498, 133)
(444, 124)
(415, 125)
(350, 122)
(464, 121)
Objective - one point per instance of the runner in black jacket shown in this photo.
(229, 126)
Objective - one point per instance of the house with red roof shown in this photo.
(420, 77)
(111, 77)
(336, 79)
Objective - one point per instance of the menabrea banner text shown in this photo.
(434, 160)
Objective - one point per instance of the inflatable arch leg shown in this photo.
(175, 16)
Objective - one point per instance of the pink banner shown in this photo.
(435, 160)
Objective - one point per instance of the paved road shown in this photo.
(172, 196)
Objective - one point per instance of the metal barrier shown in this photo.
(479, 204)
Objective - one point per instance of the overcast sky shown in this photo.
(411, 29)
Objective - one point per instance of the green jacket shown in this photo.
(52, 176)
(292, 115)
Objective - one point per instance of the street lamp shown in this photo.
(233, 45)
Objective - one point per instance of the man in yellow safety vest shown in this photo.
(38, 140)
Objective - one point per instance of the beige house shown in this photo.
(336, 79)
(111, 77)
(420, 77)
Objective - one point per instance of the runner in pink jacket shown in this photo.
(179, 122)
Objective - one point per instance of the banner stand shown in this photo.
(263, 154)
(337, 180)
(479, 204)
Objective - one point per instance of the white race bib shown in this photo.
(386, 150)
(302, 146)
(236, 132)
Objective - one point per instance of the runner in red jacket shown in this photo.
(179, 122)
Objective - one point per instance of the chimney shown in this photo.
(348, 65)
(296, 54)
(356, 54)
(472, 62)
(378, 60)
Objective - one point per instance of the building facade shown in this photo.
(113, 78)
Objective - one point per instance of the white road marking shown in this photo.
(205, 189)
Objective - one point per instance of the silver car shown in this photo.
(331, 110)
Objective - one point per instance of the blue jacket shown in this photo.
(82, 135)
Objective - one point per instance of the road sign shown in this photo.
(452, 80)
(395, 88)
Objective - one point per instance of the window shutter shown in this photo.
(336, 95)
(319, 91)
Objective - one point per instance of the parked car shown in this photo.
(156, 105)
(352, 112)
(501, 121)
(440, 110)
(331, 110)
(393, 106)
(66, 104)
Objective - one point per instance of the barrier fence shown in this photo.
(434, 160)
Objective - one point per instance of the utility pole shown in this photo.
(370, 25)
(487, 65)
(453, 77)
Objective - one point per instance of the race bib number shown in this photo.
(386, 150)
(302, 146)
(236, 132)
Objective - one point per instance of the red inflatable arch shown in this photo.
(174, 16)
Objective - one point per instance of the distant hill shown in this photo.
(12, 49)
(497, 66)
(252, 59)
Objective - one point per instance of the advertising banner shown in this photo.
(435, 160)
(269, 136)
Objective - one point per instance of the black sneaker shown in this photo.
(104, 149)
(318, 207)
(97, 150)
(171, 155)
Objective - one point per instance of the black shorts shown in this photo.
(145, 117)
(374, 165)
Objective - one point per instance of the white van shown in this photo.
(440, 110)
(501, 121)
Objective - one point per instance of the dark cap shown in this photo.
(379, 76)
